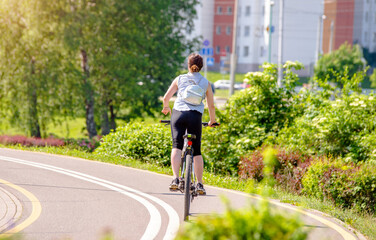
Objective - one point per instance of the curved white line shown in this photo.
(174, 221)
(154, 224)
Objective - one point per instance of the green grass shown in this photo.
(215, 76)
(6, 128)
(69, 128)
(223, 93)
(365, 223)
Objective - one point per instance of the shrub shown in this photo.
(31, 141)
(148, 143)
(288, 172)
(346, 185)
(342, 128)
(251, 116)
(253, 222)
(346, 58)
(84, 144)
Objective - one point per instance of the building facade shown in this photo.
(364, 32)
(338, 24)
(301, 26)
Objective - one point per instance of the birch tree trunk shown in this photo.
(89, 96)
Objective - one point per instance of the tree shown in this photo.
(30, 63)
(346, 56)
(134, 53)
(108, 58)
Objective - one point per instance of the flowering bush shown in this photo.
(252, 116)
(84, 144)
(31, 141)
(341, 128)
(288, 171)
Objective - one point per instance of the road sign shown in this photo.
(210, 61)
(206, 51)
(206, 43)
(267, 29)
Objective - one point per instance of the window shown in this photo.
(262, 51)
(218, 30)
(239, 30)
(229, 10)
(228, 30)
(217, 49)
(248, 10)
(227, 49)
(366, 16)
(237, 50)
(219, 10)
(240, 11)
(246, 31)
(366, 36)
(263, 10)
(374, 37)
(246, 51)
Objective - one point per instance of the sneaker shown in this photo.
(181, 185)
(174, 186)
(200, 189)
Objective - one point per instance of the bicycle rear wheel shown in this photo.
(187, 185)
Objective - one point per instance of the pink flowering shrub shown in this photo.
(31, 141)
(84, 144)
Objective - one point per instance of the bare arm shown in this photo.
(210, 101)
(166, 98)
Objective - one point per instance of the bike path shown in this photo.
(63, 198)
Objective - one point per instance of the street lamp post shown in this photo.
(280, 43)
(270, 31)
(318, 41)
(233, 53)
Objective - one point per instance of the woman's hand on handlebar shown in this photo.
(213, 124)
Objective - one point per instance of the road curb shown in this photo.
(10, 210)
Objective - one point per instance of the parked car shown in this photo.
(225, 84)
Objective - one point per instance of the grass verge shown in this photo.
(363, 222)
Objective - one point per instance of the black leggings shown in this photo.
(190, 121)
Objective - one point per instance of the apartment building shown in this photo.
(338, 24)
(301, 21)
(364, 32)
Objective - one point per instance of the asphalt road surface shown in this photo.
(44, 196)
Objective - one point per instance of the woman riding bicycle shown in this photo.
(188, 116)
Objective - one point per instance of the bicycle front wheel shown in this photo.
(187, 185)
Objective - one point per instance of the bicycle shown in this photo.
(188, 177)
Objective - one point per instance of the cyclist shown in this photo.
(187, 116)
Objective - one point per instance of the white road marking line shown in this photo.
(155, 217)
(339, 228)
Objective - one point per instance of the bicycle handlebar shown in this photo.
(205, 124)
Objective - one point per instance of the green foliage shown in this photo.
(134, 49)
(343, 128)
(346, 57)
(253, 222)
(373, 79)
(344, 184)
(251, 116)
(33, 84)
(147, 143)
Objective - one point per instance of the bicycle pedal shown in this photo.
(173, 190)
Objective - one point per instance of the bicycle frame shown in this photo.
(187, 183)
(188, 150)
